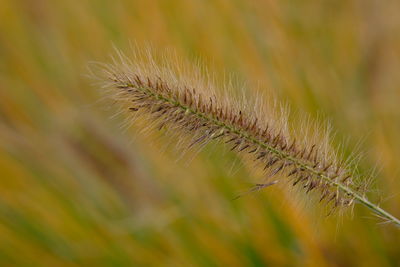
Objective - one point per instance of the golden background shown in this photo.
(75, 189)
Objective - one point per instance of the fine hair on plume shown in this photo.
(184, 100)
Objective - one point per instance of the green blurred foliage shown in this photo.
(75, 189)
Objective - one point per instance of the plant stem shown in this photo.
(375, 208)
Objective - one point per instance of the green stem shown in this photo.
(375, 208)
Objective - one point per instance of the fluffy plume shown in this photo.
(178, 98)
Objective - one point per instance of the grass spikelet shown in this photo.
(179, 99)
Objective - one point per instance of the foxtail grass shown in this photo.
(170, 96)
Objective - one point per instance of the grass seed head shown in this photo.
(180, 99)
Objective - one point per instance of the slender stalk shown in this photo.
(375, 208)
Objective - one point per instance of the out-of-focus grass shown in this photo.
(77, 190)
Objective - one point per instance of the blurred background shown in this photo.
(78, 190)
